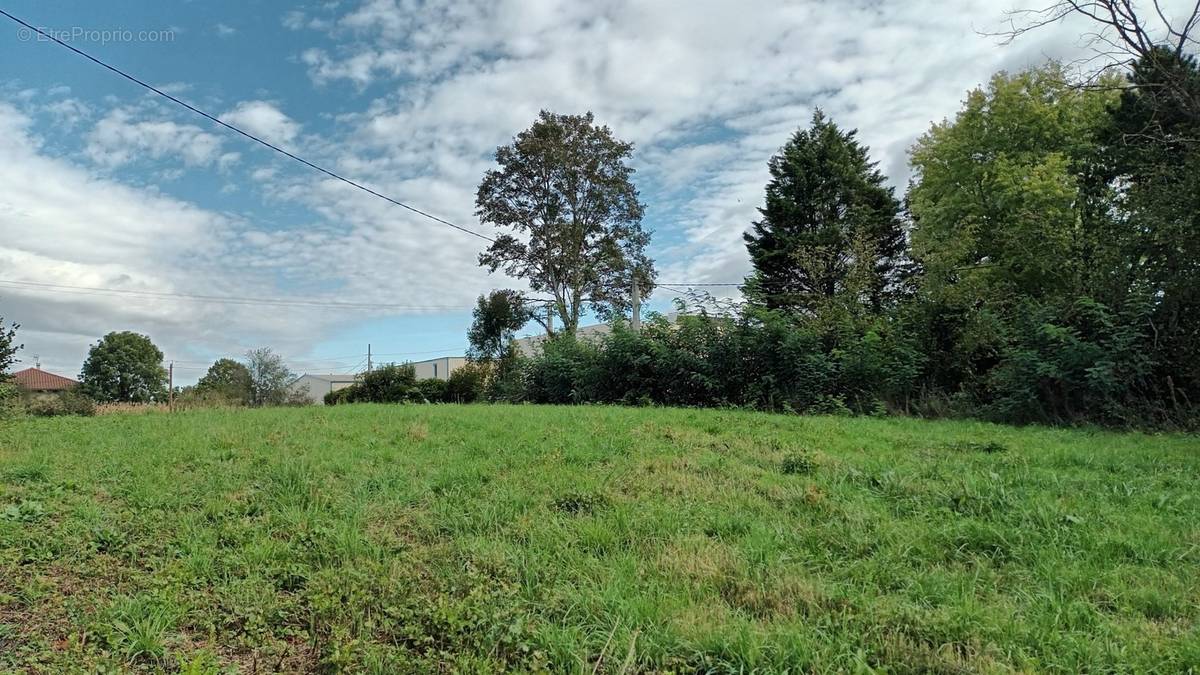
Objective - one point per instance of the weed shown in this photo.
(138, 628)
(576, 503)
(798, 463)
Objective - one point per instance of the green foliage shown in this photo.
(565, 189)
(497, 316)
(70, 402)
(228, 380)
(762, 360)
(432, 390)
(124, 367)
(389, 384)
(798, 463)
(197, 397)
(468, 383)
(10, 401)
(1089, 324)
(8, 348)
(338, 396)
(830, 233)
(508, 381)
(269, 377)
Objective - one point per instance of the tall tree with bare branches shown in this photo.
(1122, 33)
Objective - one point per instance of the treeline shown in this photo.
(1044, 266)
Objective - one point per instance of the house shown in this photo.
(38, 381)
(315, 386)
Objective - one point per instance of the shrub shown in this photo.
(68, 402)
(339, 396)
(468, 383)
(799, 463)
(388, 384)
(432, 390)
(10, 401)
(195, 398)
(564, 372)
(509, 380)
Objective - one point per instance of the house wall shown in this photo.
(438, 369)
(318, 387)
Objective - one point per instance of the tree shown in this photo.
(830, 227)
(229, 379)
(269, 377)
(497, 317)
(1153, 149)
(124, 367)
(8, 348)
(999, 202)
(564, 186)
(1124, 34)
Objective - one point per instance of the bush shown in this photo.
(10, 401)
(564, 372)
(63, 403)
(339, 396)
(797, 463)
(432, 390)
(509, 381)
(195, 398)
(468, 383)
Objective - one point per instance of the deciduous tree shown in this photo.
(564, 189)
(497, 317)
(269, 377)
(230, 380)
(124, 367)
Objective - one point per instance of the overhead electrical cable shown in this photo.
(235, 129)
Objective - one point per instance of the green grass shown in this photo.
(494, 538)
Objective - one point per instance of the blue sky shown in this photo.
(103, 185)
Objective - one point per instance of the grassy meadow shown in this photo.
(416, 538)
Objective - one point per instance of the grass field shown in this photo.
(493, 538)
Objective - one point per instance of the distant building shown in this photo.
(315, 386)
(532, 345)
(439, 368)
(38, 381)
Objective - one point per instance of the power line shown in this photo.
(219, 299)
(247, 134)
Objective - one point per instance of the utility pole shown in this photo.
(368, 357)
(171, 386)
(635, 322)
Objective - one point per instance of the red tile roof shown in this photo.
(35, 379)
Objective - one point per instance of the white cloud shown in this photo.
(120, 138)
(265, 120)
(61, 224)
(225, 30)
(707, 89)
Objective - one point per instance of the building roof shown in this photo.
(36, 379)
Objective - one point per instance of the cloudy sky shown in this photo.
(103, 185)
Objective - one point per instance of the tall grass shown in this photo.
(373, 538)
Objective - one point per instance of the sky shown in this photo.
(105, 185)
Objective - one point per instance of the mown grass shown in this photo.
(494, 538)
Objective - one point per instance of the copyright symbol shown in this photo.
(23, 34)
